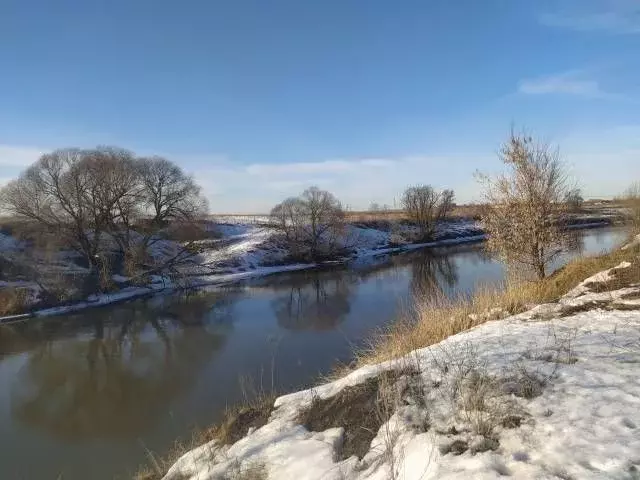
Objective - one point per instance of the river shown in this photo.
(84, 396)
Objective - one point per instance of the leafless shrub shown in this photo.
(631, 200)
(312, 223)
(574, 200)
(426, 207)
(523, 207)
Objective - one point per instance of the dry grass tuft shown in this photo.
(356, 410)
(12, 301)
(156, 466)
(252, 471)
(235, 425)
(239, 420)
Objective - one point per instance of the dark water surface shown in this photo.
(83, 396)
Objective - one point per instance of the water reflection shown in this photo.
(321, 300)
(575, 242)
(119, 376)
(432, 276)
(317, 303)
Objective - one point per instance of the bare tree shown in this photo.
(289, 217)
(169, 193)
(426, 207)
(116, 193)
(55, 193)
(631, 200)
(573, 199)
(93, 199)
(312, 223)
(524, 206)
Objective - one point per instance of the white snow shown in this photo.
(600, 277)
(584, 424)
(249, 247)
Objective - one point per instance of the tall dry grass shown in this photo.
(433, 320)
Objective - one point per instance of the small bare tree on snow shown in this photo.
(312, 223)
(426, 207)
(524, 206)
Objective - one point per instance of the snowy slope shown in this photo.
(571, 383)
(246, 247)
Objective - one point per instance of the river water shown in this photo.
(84, 396)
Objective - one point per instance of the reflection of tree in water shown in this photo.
(314, 302)
(121, 376)
(430, 274)
(575, 241)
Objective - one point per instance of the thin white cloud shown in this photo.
(612, 16)
(256, 188)
(18, 157)
(310, 168)
(566, 83)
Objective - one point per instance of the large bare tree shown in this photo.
(426, 206)
(93, 198)
(524, 206)
(60, 193)
(312, 223)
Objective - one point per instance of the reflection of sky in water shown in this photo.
(169, 364)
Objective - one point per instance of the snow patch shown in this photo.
(601, 277)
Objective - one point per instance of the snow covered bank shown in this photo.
(549, 393)
(241, 252)
(243, 248)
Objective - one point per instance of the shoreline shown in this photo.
(225, 279)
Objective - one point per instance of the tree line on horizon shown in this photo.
(83, 198)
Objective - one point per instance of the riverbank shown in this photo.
(243, 252)
(521, 396)
(251, 254)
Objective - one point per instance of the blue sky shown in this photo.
(260, 99)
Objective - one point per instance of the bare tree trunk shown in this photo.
(541, 272)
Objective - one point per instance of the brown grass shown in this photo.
(235, 425)
(356, 409)
(437, 319)
(459, 211)
(12, 301)
(239, 420)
